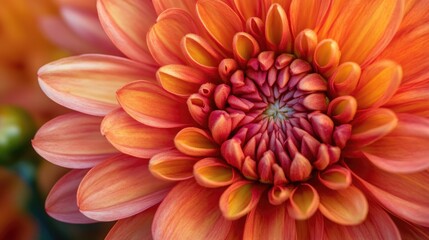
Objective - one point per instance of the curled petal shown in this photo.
(326, 56)
(300, 169)
(303, 202)
(312, 82)
(195, 142)
(233, 153)
(213, 172)
(220, 125)
(244, 47)
(180, 80)
(336, 177)
(74, 141)
(277, 32)
(344, 79)
(305, 44)
(279, 194)
(343, 109)
(113, 189)
(172, 165)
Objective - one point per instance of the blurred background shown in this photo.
(33, 33)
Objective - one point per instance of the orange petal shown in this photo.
(239, 199)
(172, 165)
(162, 5)
(277, 32)
(326, 56)
(61, 202)
(303, 202)
(336, 177)
(195, 142)
(307, 14)
(344, 79)
(246, 10)
(220, 21)
(378, 226)
(378, 83)
(138, 226)
(371, 125)
(305, 44)
(405, 149)
(127, 23)
(164, 37)
(151, 105)
(134, 138)
(200, 217)
(88, 83)
(346, 207)
(414, 101)
(244, 47)
(405, 195)
(312, 228)
(343, 109)
(369, 28)
(73, 141)
(116, 189)
(180, 80)
(214, 172)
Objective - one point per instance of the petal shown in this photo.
(370, 27)
(73, 141)
(303, 202)
(244, 47)
(118, 188)
(61, 202)
(378, 226)
(220, 21)
(336, 177)
(344, 79)
(346, 207)
(126, 23)
(239, 199)
(411, 231)
(405, 149)
(413, 101)
(88, 83)
(277, 32)
(162, 5)
(180, 80)
(134, 138)
(378, 84)
(136, 227)
(214, 172)
(172, 165)
(307, 14)
(246, 10)
(190, 212)
(151, 105)
(405, 195)
(195, 142)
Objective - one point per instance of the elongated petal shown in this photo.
(134, 138)
(195, 142)
(369, 28)
(277, 32)
(220, 21)
(414, 101)
(246, 10)
(151, 105)
(61, 202)
(409, 191)
(378, 226)
(411, 231)
(346, 207)
(74, 141)
(180, 80)
(172, 165)
(88, 83)
(119, 188)
(307, 14)
(405, 149)
(134, 228)
(199, 219)
(126, 23)
(199, 53)
(378, 84)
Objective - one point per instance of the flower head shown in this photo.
(270, 119)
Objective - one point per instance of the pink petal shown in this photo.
(61, 202)
(73, 141)
(88, 83)
(190, 212)
(118, 188)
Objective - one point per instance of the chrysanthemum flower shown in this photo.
(247, 119)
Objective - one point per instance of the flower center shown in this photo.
(278, 111)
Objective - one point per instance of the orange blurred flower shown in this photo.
(290, 119)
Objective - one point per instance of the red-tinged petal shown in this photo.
(73, 141)
(312, 82)
(369, 126)
(244, 47)
(214, 172)
(303, 202)
(326, 56)
(414, 101)
(172, 165)
(370, 27)
(118, 188)
(405, 149)
(344, 79)
(277, 32)
(305, 44)
(405, 195)
(279, 194)
(246, 10)
(307, 14)
(378, 84)
(220, 125)
(134, 228)
(195, 142)
(269, 222)
(180, 80)
(88, 83)
(136, 139)
(61, 202)
(220, 21)
(311, 228)
(232, 152)
(164, 37)
(239, 199)
(151, 105)
(343, 109)
(411, 231)
(127, 23)
(346, 207)
(378, 226)
(300, 169)
(336, 177)
(190, 212)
